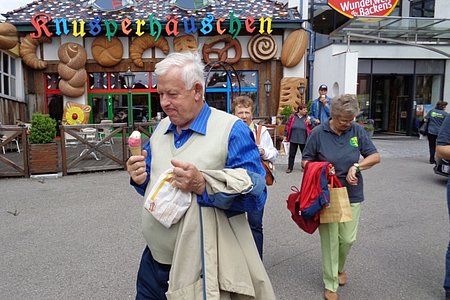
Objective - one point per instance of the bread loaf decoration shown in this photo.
(222, 53)
(144, 42)
(261, 47)
(8, 36)
(107, 53)
(27, 51)
(294, 48)
(71, 69)
(289, 94)
(186, 42)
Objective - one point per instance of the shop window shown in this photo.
(421, 8)
(98, 81)
(428, 88)
(54, 98)
(8, 75)
(223, 86)
(53, 81)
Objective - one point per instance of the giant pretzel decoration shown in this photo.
(71, 69)
(222, 53)
(261, 48)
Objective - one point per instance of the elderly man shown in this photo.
(202, 146)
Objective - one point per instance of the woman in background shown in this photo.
(297, 130)
(243, 108)
(435, 118)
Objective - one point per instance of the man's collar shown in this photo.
(199, 123)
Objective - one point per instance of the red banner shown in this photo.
(351, 8)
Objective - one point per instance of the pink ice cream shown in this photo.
(134, 143)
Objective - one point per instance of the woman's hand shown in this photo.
(352, 177)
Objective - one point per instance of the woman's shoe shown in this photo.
(288, 171)
(342, 278)
(329, 295)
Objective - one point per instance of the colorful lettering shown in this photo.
(233, 21)
(218, 27)
(152, 24)
(39, 22)
(125, 24)
(75, 31)
(262, 21)
(58, 23)
(187, 29)
(248, 24)
(206, 24)
(172, 26)
(139, 25)
(95, 26)
(110, 33)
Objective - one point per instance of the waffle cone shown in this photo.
(135, 150)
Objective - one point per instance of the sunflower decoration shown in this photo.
(75, 113)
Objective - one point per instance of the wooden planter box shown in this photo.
(43, 158)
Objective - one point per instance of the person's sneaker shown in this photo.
(342, 277)
(288, 171)
(329, 295)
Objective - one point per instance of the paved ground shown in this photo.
(78, 237)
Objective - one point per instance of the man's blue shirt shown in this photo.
(242, 153)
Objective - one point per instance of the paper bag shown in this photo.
(339, 209)
(167, 203)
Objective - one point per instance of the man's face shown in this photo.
(244, 113)
(323, 92)
(178, 103)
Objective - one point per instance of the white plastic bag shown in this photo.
(286, 147)
(166, 203)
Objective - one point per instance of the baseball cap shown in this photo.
(323, 87)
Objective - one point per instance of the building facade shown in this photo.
(398, 65)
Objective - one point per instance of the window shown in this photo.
(8, 75)
(422, 8)
(223, 86)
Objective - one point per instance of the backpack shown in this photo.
(305, 204)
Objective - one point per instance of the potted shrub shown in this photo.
(368, 125)
(286, 112)
(42, 149)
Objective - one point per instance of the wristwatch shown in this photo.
(356, 165)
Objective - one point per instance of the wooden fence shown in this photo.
(80, 150)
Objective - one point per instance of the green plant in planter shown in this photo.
(43, 129)
(286, 112)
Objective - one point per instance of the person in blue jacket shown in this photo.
(320, 107)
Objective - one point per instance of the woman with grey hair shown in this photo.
(435, 118)
(341, 141)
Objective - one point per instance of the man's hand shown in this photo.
(136, 167)
(187, 177)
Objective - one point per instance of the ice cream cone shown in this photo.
(135, 150)
(134, 143)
